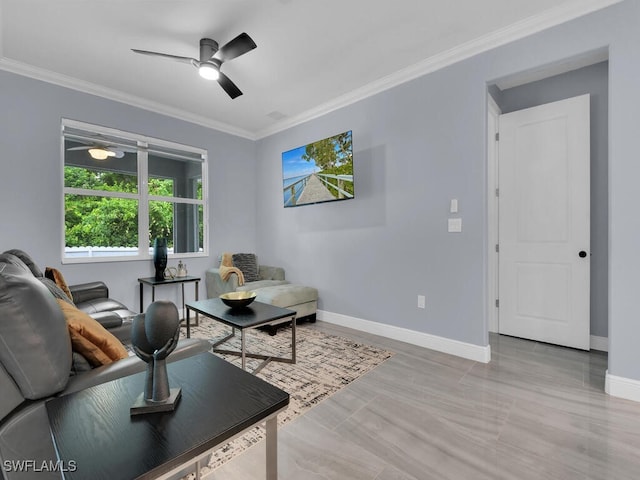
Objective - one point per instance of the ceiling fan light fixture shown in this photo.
(208, 71)
(101, 153)
(211, 59)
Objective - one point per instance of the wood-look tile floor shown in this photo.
(536, 411)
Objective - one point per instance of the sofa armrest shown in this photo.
(266, 272)
(105, 373)
(107, 319)
(84, 292)
(216, 286)
(128, 366)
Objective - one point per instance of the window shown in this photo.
(121, 191)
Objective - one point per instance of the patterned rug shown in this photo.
(325, 364)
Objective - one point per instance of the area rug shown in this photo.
(325, 364)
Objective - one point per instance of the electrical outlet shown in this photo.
(454, 225)
(421, 301)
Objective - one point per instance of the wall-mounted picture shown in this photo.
(319, 172)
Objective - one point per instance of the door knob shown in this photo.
(582, 254)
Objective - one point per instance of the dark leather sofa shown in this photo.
(93, 298)
(35, 365)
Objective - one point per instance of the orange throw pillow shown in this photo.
(56, 275)
(91, 339)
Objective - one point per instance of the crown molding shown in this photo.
(118, 96)
(511, 33)
(516, 31)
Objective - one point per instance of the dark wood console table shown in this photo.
(93, 430)
(154, 282)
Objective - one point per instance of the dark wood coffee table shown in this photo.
(255, 315)
(93, 430)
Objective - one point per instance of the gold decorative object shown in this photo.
(238, 299)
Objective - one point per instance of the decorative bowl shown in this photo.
(238, 299)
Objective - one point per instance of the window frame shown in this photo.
(143, 197)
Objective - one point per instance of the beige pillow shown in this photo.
(90, 339)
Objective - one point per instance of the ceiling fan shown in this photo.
(212, 58)
(100, 152)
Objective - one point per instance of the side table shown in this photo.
(154, 282)
(94, 429)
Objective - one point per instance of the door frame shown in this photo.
(493, 314)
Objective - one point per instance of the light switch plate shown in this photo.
(453, 207)
(455, 225)
(421, 301)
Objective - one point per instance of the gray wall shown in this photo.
(31, 180)
(419, 145)
(416, 146)
(592, 80)
(371, 257)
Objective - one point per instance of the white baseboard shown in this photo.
(421, 339)
(622, 387)
(599, 343)
(615, 386)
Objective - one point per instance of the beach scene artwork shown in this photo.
(319, 172)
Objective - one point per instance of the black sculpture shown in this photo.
(160, 257)
(154, 336)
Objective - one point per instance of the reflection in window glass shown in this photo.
(184, 174)
(180, 223)
(93, 223)
(162, 187)
(106, 179)
(130, 191)
(161, 222)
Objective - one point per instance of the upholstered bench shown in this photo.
(304, 300)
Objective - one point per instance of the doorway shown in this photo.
(544, 223)
(591, 79)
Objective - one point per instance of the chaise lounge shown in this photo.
(242, 272)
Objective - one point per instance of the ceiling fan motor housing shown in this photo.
(208, 49)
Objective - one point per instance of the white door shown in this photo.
(544, 221)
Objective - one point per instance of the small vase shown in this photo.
(160, 257)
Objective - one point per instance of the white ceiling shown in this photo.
(312, 56)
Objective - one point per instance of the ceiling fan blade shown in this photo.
(172, 57)
(228, 86)
(84, 147)
(236, 47)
